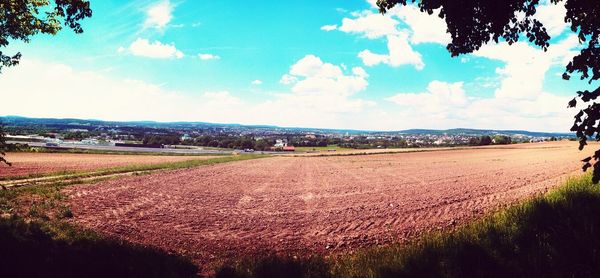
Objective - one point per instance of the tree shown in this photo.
(3, 146)
(485, 140)
(21, 19)
(502, 140)
(473, 23)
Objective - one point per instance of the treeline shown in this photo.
(362, 142)
(301, 141)
(161, 140)
(231, 142)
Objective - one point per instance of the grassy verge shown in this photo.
(139, 167)
(37, 239)
(556, 235)
(321, 149)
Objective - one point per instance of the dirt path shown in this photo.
(304, 205)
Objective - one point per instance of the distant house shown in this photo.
(280, 143)
(186, 137)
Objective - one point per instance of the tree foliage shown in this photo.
(472, 24)
(21, 19)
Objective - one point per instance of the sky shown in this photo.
(322, 64)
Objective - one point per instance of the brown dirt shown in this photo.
(325, 205)
(24, 164)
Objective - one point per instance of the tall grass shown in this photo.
(556, 235)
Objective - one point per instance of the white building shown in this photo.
(280, 143)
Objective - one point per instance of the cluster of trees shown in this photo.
(231, 142)
(77, 135)
(487, 140)
(311, 143)
(161, 139)
(361, 142)
(301, 141)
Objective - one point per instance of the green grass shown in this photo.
(555, 235)
(141, 167)
(321, 149)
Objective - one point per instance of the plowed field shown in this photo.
(24, 164)
(305, 205)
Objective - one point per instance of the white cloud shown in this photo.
(439, 95)
(371, 59)
(287, 79)
(526, 66)
(371, 25)
(329, 27)
(156, 49)
(446, 105)
(66, 92)
(519, 101)
(420, 28)
(400, 53)
(256, 82)
(312, 66)
(553, 17)
(423, 28)
(318, 98)
(207, 56)
(159, 15)
(322, 94)
(221, 99)
(121, 49)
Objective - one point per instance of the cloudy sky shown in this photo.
(327, 64)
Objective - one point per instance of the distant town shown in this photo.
(187, 137)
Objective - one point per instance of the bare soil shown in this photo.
(24, 163)
(323, 205)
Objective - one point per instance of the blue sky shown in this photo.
(330, 64)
